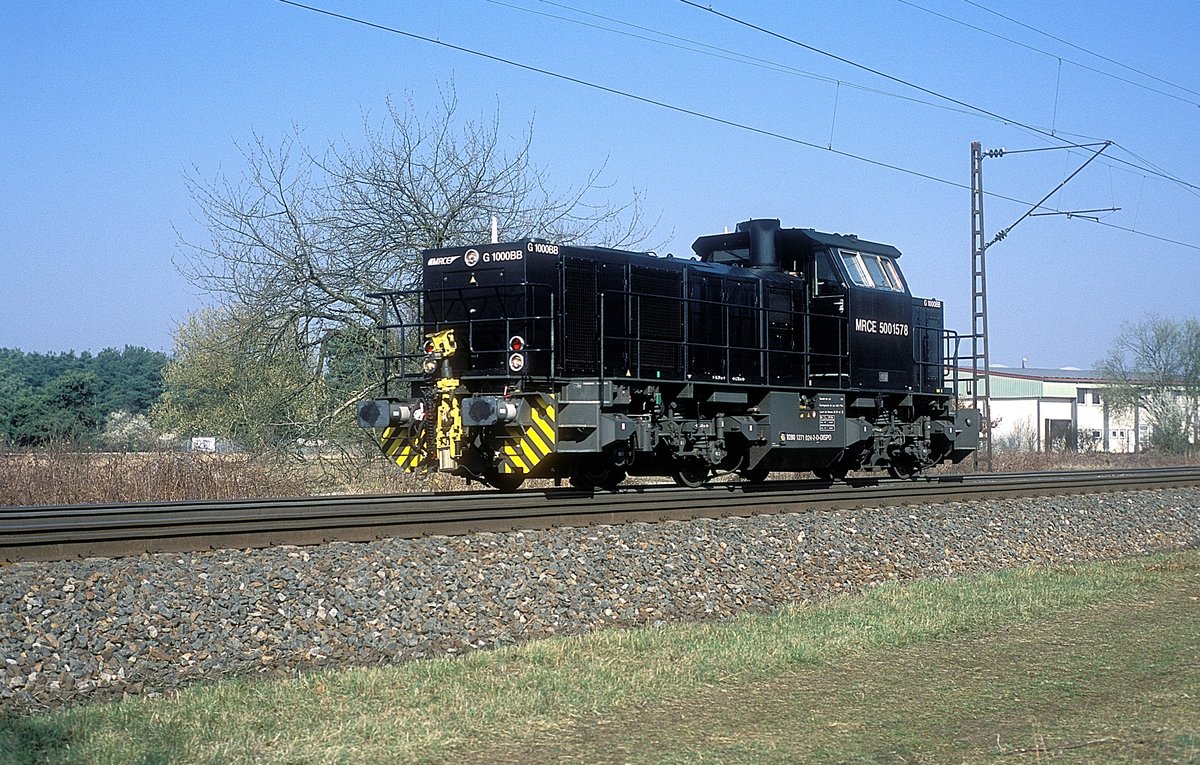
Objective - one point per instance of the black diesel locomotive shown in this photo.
(777, 349)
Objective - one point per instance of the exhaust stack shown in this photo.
(763, 233)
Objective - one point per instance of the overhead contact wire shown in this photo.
(702, 115)
(1061, 59)
(642, 99)
(1081, 49)
(1050, 134)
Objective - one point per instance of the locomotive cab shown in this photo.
(879, 318)
(860, 329)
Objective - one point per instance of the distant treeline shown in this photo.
(55, 397)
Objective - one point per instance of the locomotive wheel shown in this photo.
(756, 474)
(505, 482)
(597, 474)
(840, 467)
(690, 472)
(904, 471)
(835, 472)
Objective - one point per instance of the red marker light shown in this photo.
(517, 343)
(429, 346)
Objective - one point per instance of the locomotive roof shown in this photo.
(806, 238)
(524, 244)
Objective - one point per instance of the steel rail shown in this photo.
(71, 531)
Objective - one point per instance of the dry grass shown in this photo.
(66, 476)
(63, 477)
(1009, 461)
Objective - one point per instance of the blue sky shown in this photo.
(108, 105)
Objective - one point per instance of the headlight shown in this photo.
(487, 410)
(381, 413)
(516, 361)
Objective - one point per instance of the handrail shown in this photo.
(787, 367)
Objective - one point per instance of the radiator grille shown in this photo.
(657, 315)
(581, 316)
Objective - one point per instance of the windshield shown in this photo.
(873, 271)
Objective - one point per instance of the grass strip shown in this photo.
(1087, 663)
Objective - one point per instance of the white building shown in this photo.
(1059, 409)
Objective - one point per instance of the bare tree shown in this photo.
(300, 238)
(1154, 366)
(418, 183)
(305, 237)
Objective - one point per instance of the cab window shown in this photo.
(873, 271)
(826, 281)
(856, 269)
(889, 266)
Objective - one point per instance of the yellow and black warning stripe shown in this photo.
(404, 447)
(535, 441)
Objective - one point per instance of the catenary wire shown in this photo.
(689, 112)
(1144, 169)
(1035, 49)
(658, 37)
(1022, 24)
(695, 46)
(908, 83)
(702, 48)
(642, 99)
(877, 72)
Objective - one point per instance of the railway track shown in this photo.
(74, 531)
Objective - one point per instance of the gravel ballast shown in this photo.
(72, 632)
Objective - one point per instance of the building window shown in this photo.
(1081, 396)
